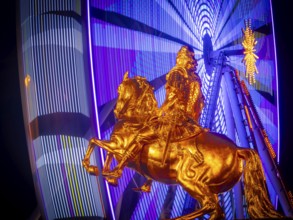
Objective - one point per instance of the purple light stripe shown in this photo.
(155, 200)
(46, 177)
(64, 176)
(178, 202)
(61, 199)
(277, 81)
(88, 187)
(79, 189)
(163, 193)
(32, 147)
(39, 184)
(75, 77)
(51, 172)
(95, 99)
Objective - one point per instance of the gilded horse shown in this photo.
(224, 162)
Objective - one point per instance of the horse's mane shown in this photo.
(143, 102)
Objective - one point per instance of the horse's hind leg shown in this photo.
(208, 201)
(106, 168)
(218, 213)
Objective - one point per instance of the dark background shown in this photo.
(17, 190)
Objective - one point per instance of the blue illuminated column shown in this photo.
(55, 87)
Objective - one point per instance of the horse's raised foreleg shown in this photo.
(93, 170)
(109, 146)
(108, 161)
(106, 168)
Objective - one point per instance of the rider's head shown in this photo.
(185, 58)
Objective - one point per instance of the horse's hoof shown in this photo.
(112, 181)
(93, 170)
(140, 190)
(85, 163)
(144, 188)
(112, 174)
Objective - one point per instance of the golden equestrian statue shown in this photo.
(169, 146)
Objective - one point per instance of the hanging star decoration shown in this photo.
(250, 57)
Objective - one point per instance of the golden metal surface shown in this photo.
(264, 133)
(27, 80)
(250, 57)
(291, 198)
(248, 117)
(167, 145)
(268, 144)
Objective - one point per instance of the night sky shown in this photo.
(17, 190)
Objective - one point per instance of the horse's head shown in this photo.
(135, 98)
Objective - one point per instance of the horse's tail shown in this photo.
(259, 205)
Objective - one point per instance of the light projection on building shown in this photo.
(75, 53)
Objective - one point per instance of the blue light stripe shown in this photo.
(53, 172)
(48, 172)
(277, 82)
(63, 174)
(85, 180)
(44, 72)
(95, 97)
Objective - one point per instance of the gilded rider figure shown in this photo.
(177, 118)
(184, 102)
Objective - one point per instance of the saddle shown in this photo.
(169, 133)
